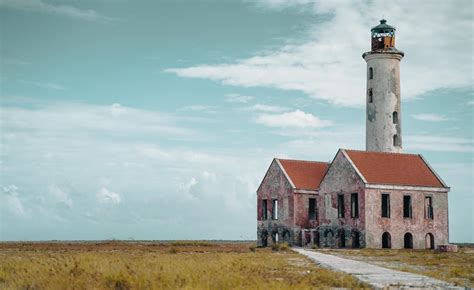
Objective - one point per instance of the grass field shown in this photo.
(457, 268)
(143, 265)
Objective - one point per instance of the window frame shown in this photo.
(340, 206)
(429, 211)
(355, 209)
(264, 209)
(275, 209)
(387, 205)
(313, 214)
(410, 208)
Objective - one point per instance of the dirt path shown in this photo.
(376, 276)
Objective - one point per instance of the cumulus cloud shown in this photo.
(108, 197)
(298, 119)
(328, 64)
(430, 117)
(63, 10)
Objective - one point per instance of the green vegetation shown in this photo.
(177, 265)
(457, 268)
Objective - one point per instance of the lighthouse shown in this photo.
(383, 104)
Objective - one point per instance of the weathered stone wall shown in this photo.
(276, 186)
(341, 232)
(419, 226)
(385, 87)
(301, 218)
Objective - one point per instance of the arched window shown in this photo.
(429, 241)
(395, 117)
(408, 241)
(396, 141)
(371, 73)
(371, 98)
(386, 241)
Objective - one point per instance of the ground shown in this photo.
(172, 265)
(457, 268)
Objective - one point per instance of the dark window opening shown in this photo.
(395, 117)
(407, 211)
(340, 206)
(264, 238)
(341, 238)
(264, 210)
(408, 241)
(429, 241)
(429, 207)
(312, 210)
(371, 98)
(385, 205)
(355, 239)
(371, 73)
(355, 205)
(275, 209)
(386, 241)
(396, 140)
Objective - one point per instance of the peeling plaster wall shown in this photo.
(341, 179)
(385, 86)
(276, 186)
(397, 225)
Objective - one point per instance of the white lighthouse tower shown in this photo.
(383, 123)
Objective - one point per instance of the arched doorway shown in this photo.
(429, 241)
(341, 238)
(408, 241)
(386, 241)
(355, 239)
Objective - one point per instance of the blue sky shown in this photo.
(158, 120)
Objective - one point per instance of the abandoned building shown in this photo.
(378, 198)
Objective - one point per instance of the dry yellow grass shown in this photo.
(180, 265)
(457, 268)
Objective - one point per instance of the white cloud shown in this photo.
(298, 119)
(64, 10)
(201, 108)
(236, 98)
(60, 196)
(12, 201)
(109, 197)
(430, 117)
(44, 85)
(267, 108)
(439, 143)
(85, 119)
(328, 64)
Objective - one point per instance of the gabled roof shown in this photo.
(394, 168)
(304, 174)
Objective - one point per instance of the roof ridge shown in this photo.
(380, 152)
(299, 160)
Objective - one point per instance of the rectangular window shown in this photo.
(312, 210)
(385, 205)
(407, 206)
(429, 207)
(264, 209)
(340, 206)
(275, 209)
(355, 205)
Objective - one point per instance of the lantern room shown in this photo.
(383, 36)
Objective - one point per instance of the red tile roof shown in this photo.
(305, 174)
(394, 168)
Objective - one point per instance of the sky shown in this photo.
(158, 119)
